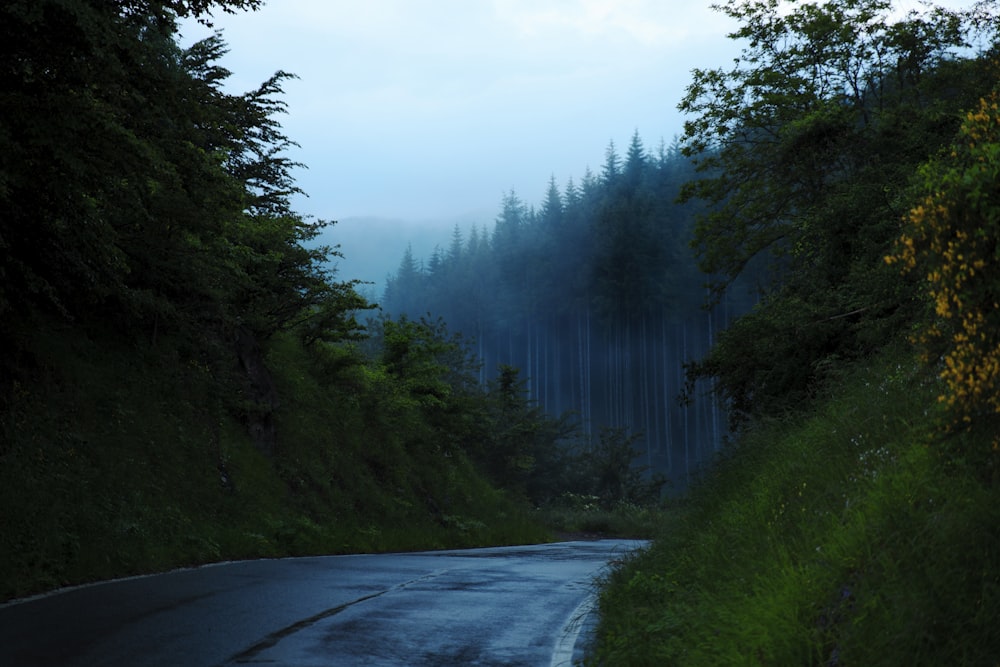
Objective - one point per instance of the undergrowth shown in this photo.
(855, 534)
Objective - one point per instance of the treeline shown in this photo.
(595, 297)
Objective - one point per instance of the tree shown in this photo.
(404, 288)
(800, 114)
(571, 194)
(629, 254)
(612, 163)
(134, 186)
(552, 207)
(508, 235)
(185, 8)
(525, 448)
(456, 247)
(139, 199)
(588, 185)
(615, 476)
(635, 160)
(806, 149)
(511, 220)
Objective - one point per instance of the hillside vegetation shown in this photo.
(853, 518)
(120, 459)
(182, 378)
(851, 534)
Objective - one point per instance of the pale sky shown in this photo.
(433, 109)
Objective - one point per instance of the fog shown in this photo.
(594, 296)
(372, 247)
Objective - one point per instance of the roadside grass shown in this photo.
(118, 461)
(851, 535)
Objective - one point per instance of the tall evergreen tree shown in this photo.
(612, 163)
(571, 194)
(635, 160)
(455, 249)
(552, 207)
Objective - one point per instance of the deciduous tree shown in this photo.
(806, 148)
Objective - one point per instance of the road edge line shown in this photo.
(569, 634)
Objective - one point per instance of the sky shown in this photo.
(433, 109)
(414, 116)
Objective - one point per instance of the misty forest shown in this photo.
(595, 297)
(771, 345)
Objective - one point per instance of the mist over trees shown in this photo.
(594, 295)
(184, 378)
(789, 181)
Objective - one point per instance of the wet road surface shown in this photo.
(499, 606)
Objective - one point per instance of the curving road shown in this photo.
(499, 606)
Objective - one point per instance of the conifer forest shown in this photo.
(595, 297)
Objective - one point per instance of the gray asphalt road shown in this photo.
(500, 606)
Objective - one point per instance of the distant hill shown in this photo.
(373, 246)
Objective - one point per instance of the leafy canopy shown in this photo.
(816, 88)
(806, 148)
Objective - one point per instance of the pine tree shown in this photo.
(635, 160)
(612, 164)
(571, 194)
(552, 207)
(455, 249)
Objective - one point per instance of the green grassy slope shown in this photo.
(852, 534)
(117, 460)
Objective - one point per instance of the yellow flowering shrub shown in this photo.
(951, 239)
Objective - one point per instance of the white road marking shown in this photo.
(562, 655)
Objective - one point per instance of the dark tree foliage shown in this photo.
(806, 148)
(142, 204)
(145, 213)
(616, 477)
(135, 191)
(201, 9)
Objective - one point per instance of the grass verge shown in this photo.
(852, 535)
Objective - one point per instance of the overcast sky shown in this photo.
(432, 109)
